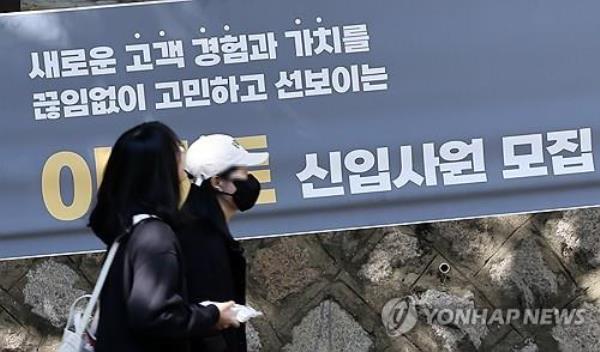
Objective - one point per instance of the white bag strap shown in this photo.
(87, 313)
(70, 321)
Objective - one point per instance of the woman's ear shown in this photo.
(215, 183)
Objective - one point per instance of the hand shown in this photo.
(227, 317)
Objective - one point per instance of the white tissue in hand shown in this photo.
(242, 313)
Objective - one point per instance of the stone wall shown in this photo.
(325, 293)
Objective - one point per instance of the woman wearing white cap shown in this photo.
(215, 262)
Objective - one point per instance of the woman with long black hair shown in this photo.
(144, 304)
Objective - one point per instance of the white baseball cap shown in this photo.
(212, 154)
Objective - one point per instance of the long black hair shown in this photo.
(202, 204)
(202, 211)
(141, 176)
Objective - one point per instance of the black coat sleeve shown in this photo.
(155, 305)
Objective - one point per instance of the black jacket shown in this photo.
(215, 267)
(143, 304)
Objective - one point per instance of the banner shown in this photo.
(373, 112)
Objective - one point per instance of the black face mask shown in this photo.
(246, 194)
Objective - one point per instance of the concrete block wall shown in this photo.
(325, 292)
